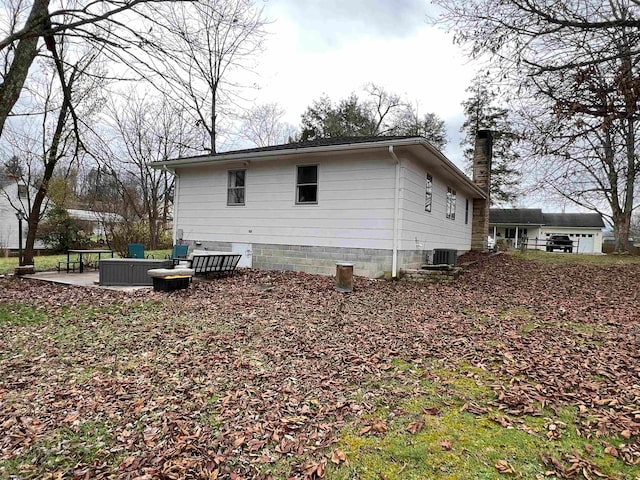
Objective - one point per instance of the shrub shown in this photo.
(60, 232)
(121, 234)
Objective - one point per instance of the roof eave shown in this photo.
(222, 159)
(454, 169)
(272, 154)
(516, 223)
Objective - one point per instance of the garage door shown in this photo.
(586, 242)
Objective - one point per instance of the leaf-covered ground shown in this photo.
(519, 369)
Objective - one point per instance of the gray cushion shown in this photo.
(170, 272)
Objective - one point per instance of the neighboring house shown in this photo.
(382, 203)
(512, 226)
(12, 195)
(96, 219)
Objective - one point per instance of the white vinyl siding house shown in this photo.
(274, 216)
(12, 196)
(309, 208)
(421, 228)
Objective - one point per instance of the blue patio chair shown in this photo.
(180, 252)
(136, 250)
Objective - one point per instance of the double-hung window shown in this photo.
(235, 187)
(307, 184)
(428, 193)
(451, 203)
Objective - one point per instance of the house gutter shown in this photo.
(396, 215)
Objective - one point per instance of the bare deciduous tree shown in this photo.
(51, 140)
(207, 44)
(24, 35)
(147, 130)
(262, 125)
(574, 66)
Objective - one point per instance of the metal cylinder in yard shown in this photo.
(344, 277)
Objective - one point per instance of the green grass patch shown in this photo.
(111, 329)
(586, 329)
(43, 263)
(451, 442)
(20, 314)
(65, 449)
(562, 258)
(513, 313)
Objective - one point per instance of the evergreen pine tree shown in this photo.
(481, 113)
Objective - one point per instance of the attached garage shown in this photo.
(511, 227)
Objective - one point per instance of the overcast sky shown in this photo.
(334, 47)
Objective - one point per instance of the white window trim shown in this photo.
(428, 177)
(243, 188)
(450, 208)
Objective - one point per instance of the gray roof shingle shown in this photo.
(516, 216)
(534, 216)
(573, 220)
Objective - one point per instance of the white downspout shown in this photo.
(396, 215)
(175, 201)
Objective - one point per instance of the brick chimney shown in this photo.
(482, 154)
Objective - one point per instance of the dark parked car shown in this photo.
(560, 242)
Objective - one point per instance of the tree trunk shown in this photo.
(213, 118)
(153, 225)
(25, 52)
(51, 160)
(33, 222)
(621, 228)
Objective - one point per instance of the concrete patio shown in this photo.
(85, 279)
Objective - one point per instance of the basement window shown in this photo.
(307, 184)
(235, 187)
(451, 203)
(428, 195)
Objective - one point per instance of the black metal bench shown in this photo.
(68, 265)
(214, 264)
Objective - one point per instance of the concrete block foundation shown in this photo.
(368, 262)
